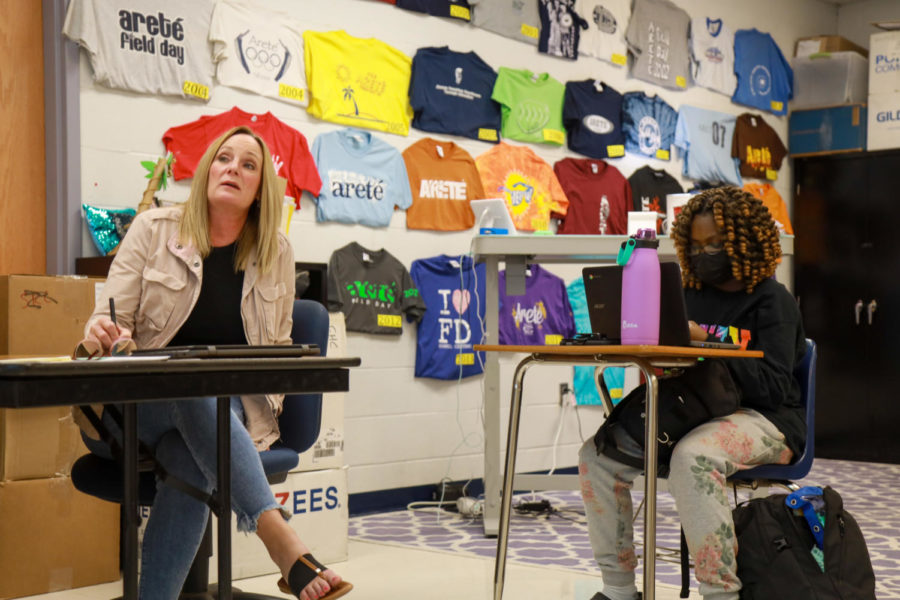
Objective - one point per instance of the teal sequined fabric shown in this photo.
(107, 226)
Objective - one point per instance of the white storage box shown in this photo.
(884, 62)
(884, 121)
(829, 79)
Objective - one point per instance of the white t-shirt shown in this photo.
(605, 35)
(258, 51)
(153, 47)
(712, 55)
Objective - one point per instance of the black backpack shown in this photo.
(774, 560)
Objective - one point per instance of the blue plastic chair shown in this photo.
(299, 422)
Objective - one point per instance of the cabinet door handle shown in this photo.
(871, 309)
(858, 308)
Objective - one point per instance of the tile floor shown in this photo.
(383, 572)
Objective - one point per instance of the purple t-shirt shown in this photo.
(540, 316)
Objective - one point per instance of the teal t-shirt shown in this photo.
(531, 105)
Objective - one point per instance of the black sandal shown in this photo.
(303, 572)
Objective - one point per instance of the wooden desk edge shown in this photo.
(640, 351)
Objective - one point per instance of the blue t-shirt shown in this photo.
(765, 78)
(649, 125)
(705, 138)
(450, 92)
(583, 380)
(592, 115)
(363, 178)
(454, 296)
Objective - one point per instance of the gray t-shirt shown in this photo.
(516, 19)
(152, 47)
(658, 38)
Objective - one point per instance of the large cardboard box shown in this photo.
(884, 62)
(37, 443)
(884, 121)
(827, 130)
(42, 314)
(827, 43)
(54, 538)
(317, 501)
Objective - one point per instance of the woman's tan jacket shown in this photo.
(155, 281)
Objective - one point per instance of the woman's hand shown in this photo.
(698, 334)
(105, 333)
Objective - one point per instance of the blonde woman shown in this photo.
(216, 271)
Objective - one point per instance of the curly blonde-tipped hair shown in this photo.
(751, 238)
(263, 221)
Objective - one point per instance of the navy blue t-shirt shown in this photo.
(450, 92)
(592, 115)
(458, 9)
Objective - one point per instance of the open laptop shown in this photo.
(603, 293)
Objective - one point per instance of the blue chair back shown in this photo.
(799, 468)
(301, 416)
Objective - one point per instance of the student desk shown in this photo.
(645, 358)
(516, 252)
(131, 380)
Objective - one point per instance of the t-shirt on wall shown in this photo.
(758, 147)
(658, 38)
(541, 316)
(357, 82)
(363, 178)
(532, 106)
(443, 180)
(259, 51)
(649, 124)
(153, 47)
(290, 153)
(592, 114)
(712, 55)
(605, 36)
(599, 197)
(516, 19)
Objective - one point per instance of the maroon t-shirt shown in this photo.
(599, 197)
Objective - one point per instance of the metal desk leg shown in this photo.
(130, 501)
(491, 401)
(223, 444)
(512, 440)
(650, 461)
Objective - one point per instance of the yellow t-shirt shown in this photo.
(357, 82)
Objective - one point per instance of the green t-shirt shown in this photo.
(531, 105)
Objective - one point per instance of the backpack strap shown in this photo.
(806, 499)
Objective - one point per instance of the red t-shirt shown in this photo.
(599, 197)
(290, 152)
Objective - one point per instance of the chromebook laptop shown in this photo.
(603, 293)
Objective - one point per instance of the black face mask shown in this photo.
(712, 269)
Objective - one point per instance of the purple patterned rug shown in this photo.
(560, 540)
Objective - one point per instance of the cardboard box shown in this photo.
(37, 443)
(884, 62)
(328, 451)
(317, 501)
(829, 80)
(884, 121)
(827, 43)
(827, 130)
(53, 538)
(43, 314)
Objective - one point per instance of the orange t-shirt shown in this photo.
(772, 200)
(443, 179)
(527, 183)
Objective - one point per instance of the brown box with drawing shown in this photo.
(41, 315)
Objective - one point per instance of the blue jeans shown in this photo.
(182, 434)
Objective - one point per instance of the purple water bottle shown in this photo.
(640, 289)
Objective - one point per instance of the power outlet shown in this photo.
(564, 390)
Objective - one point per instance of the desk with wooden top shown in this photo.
(645, 358)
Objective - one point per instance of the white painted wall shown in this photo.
(855, 20)
(401, 431)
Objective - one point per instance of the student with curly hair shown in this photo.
(728, 247)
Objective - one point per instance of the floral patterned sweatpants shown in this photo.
(700, 464)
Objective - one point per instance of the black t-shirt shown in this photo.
(768, 320)
(216, 317)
